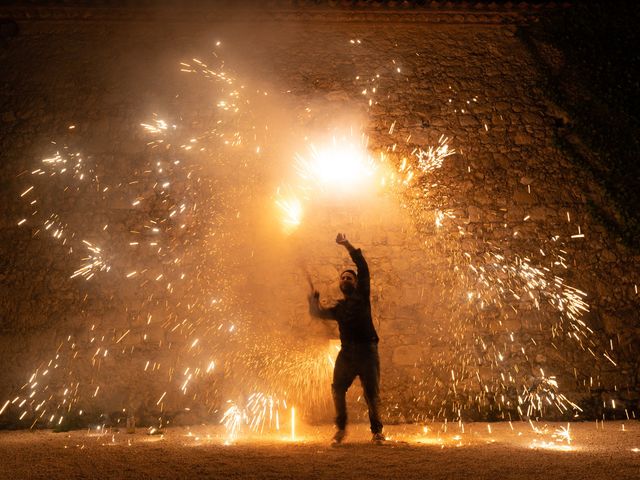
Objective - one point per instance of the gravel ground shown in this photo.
(478, 450)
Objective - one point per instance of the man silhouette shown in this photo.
(358, 355)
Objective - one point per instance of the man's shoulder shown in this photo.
(340, 302)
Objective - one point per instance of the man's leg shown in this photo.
(370, 379)
(343, 376)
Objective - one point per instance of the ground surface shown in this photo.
(495, 451)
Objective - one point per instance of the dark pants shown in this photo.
(359, 360)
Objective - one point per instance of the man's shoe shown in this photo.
(378, 438)
(338, 437)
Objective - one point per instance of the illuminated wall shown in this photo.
(449, 340)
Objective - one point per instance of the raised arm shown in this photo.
(364, 279)
(317, 310)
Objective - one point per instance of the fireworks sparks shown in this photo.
(290, 208)
(201, 341)
(264, 412)
(563, 434)
(158, 126)
(233, 419)
(341, 165)
(440, 217)
(561, 440)
(542, 393)
(432, 158)
(261, 415)
(94, 262)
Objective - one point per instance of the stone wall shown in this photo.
(448, 339)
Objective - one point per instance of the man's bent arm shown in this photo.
(317, 310)
(364, 279)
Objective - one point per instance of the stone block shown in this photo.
(475, 214)
(523, 139)
(412, 295)
(522, 197)
(406, 355)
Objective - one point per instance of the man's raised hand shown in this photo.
(341, 239)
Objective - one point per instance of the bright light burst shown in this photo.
(342, 165)
(290, 208)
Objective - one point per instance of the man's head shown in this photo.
(348, 282)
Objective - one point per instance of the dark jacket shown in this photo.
(352, 313)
